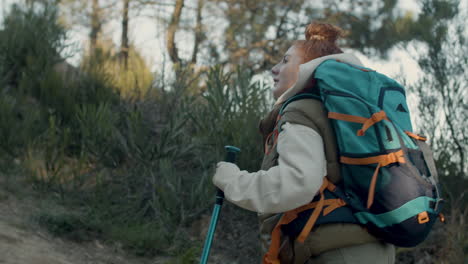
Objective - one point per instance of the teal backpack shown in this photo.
(389, 175)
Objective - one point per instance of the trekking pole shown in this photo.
(231, 153)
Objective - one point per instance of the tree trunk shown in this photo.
(172, 29)
(124, 47)
(198, 31)
(95, 26)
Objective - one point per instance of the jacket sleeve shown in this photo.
(292, 183)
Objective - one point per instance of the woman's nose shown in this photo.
(274, 70)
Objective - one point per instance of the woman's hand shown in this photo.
(224, 172)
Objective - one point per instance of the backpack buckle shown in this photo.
(423, 217)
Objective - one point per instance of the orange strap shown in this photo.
(275, 139)
(271, 257)
(367, 122)
(278, 117)
(442, 218)
(345, 117)
(377, 117)
(332, 205)
(371, 193)
(313, 217)
(416, 136)
(381, 160)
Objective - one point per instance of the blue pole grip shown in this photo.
(231, 153)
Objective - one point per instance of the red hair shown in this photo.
(320, 40)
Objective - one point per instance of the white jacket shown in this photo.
(292, 183)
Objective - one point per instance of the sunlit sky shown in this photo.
(148, 36)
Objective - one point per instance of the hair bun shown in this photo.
(323, 31)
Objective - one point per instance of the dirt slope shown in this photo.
(23, 242)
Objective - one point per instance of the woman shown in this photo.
(298, 159)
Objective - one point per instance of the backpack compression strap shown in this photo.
(271, 257)
(366, 122)
(382, 161)
(415, 136)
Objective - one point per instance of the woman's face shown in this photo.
(285, 73)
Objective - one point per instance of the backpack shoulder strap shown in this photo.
(293, 99)
(298, 97)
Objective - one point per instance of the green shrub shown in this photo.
(20, 123)
(70, 225)
(141, 238)
(229, 114)
(32, 43)
(189, 256)
(97, 131)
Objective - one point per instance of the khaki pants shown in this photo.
(369, 253)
